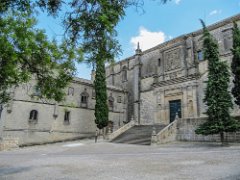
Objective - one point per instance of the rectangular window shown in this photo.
(200, 55)
(84, 99)
(119, 99)
(124, 74)
(227, 43)
(110, 105)
(93, 94)
(37, 91)
(227, 39)
(67, 117)
(71, 91)
(159, 62)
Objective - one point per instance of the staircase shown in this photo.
(139, 134)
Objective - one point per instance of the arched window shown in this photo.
(33, 116)
(84, 98)
(124, 73)
(111, 102)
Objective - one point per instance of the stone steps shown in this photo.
(139, 134)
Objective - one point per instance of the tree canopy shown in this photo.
(25, 53)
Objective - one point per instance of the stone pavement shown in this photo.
(85, 160)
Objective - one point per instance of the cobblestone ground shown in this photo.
(86, 160)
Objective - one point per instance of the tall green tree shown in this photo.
(101, 107)
(99, 44)
(217, 97)
(236, 64)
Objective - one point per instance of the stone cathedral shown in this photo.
(150, 87)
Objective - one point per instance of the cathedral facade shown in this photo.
(169, 79)
(150, 87)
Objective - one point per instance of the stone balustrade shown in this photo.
(168, 134)
(120, 130)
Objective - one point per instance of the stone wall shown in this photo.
(186, 131)
(148, 108)
(51, 124)
(8, 143)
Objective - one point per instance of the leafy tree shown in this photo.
(217, 97)
(99, 45)
(26, 52)
(90, 27)
(236, 64)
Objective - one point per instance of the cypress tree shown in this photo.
(217, 97)
(236, 64)
(101, 106)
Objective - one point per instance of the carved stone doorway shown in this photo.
(175, 108)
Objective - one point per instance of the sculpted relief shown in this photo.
(172, 60)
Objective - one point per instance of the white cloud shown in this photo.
(147, 39)
(214, 12)
(177, 1)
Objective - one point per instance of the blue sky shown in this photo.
(157, 24)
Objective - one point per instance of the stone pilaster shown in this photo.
(136, 84)
(184, 103)
(195, 103)
(162, 108)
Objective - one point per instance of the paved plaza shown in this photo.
(85, 160)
